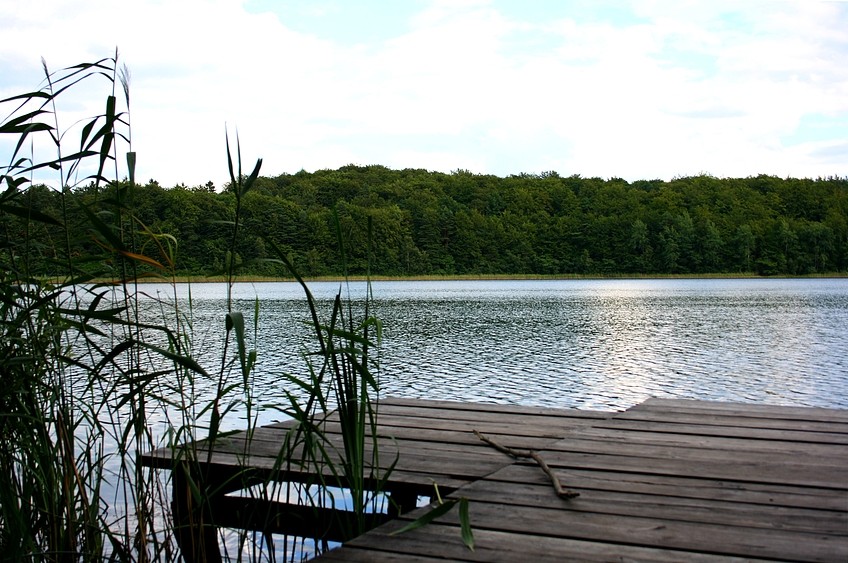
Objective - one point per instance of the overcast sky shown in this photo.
(634, 89)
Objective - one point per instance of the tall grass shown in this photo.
(75, 364)
(96, 373)
(343, 380)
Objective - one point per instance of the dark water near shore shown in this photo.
(599, 344)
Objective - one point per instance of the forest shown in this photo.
(430, 223)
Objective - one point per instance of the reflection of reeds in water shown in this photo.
(89, 382)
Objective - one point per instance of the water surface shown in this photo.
(599, 344)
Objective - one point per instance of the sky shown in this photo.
(638, 89)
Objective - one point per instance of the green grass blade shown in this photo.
(465, 524)
(427, 517)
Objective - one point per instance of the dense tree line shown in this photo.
(462, 223)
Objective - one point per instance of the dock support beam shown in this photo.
(197, 536)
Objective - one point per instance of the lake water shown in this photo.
(592, 344)
(595, 344)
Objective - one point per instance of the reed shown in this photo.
(96, 372)
(73, 362)
(343, 380)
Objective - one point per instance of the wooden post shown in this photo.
(197, 536)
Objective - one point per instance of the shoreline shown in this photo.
(480, 277)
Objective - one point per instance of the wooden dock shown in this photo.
(667, 480)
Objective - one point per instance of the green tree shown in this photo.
(710, 246)
(640, 247)
(744, 241)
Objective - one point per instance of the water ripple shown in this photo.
(587, 344)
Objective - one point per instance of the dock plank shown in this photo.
(667, 480)
(725, 443)
(618, 444)
(671, 486)
(733, 469)
(442, 542)
(661, 507)
(461, 439)
(746, 409)
(676, 480)
(695, 428)
(667, 533)
(711, 418)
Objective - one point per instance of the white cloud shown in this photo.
(684, 87)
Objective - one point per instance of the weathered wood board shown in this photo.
(667, 480)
